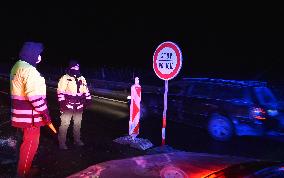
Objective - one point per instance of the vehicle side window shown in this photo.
(227, 92)
(218, 92)
(222, 92)
(264, 95)
(247, 95)
(177, 89)
(200, 90)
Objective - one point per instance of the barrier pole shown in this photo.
(165, 114)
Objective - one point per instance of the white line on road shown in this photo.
(114, 100)
(4, 92)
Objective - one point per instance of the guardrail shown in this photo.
(120, 90)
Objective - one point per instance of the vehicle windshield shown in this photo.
(265, 96)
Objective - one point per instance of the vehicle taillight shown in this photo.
(258, 113)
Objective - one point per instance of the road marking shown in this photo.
(114, 100)
(4, 92)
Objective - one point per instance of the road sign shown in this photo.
(167, 60)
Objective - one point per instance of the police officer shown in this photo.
(28, 103)
(73, 96)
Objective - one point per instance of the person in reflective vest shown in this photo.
(135, 109)
(28, 103)
(73, 96)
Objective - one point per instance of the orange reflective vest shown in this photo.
(28, 96)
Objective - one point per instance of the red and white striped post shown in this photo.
(165, 114)
(135, 109)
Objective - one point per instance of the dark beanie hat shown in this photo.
(72, 72)
(73, 63)
(30, 52)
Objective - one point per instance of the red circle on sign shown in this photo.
(177, 68)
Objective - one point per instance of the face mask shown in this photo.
(74, 72)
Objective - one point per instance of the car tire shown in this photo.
(220, 128)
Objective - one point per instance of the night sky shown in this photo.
(222, 41)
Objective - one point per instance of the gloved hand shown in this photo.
(46, 118)
(62, 106)
(87, 103)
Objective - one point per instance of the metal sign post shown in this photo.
(165, 113)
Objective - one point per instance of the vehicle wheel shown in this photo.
(220, 128)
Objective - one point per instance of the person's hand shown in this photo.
(88, 103)
(46, 118)
(62, 105)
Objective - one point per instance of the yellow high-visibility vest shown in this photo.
(28, 94)
(73, 93)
